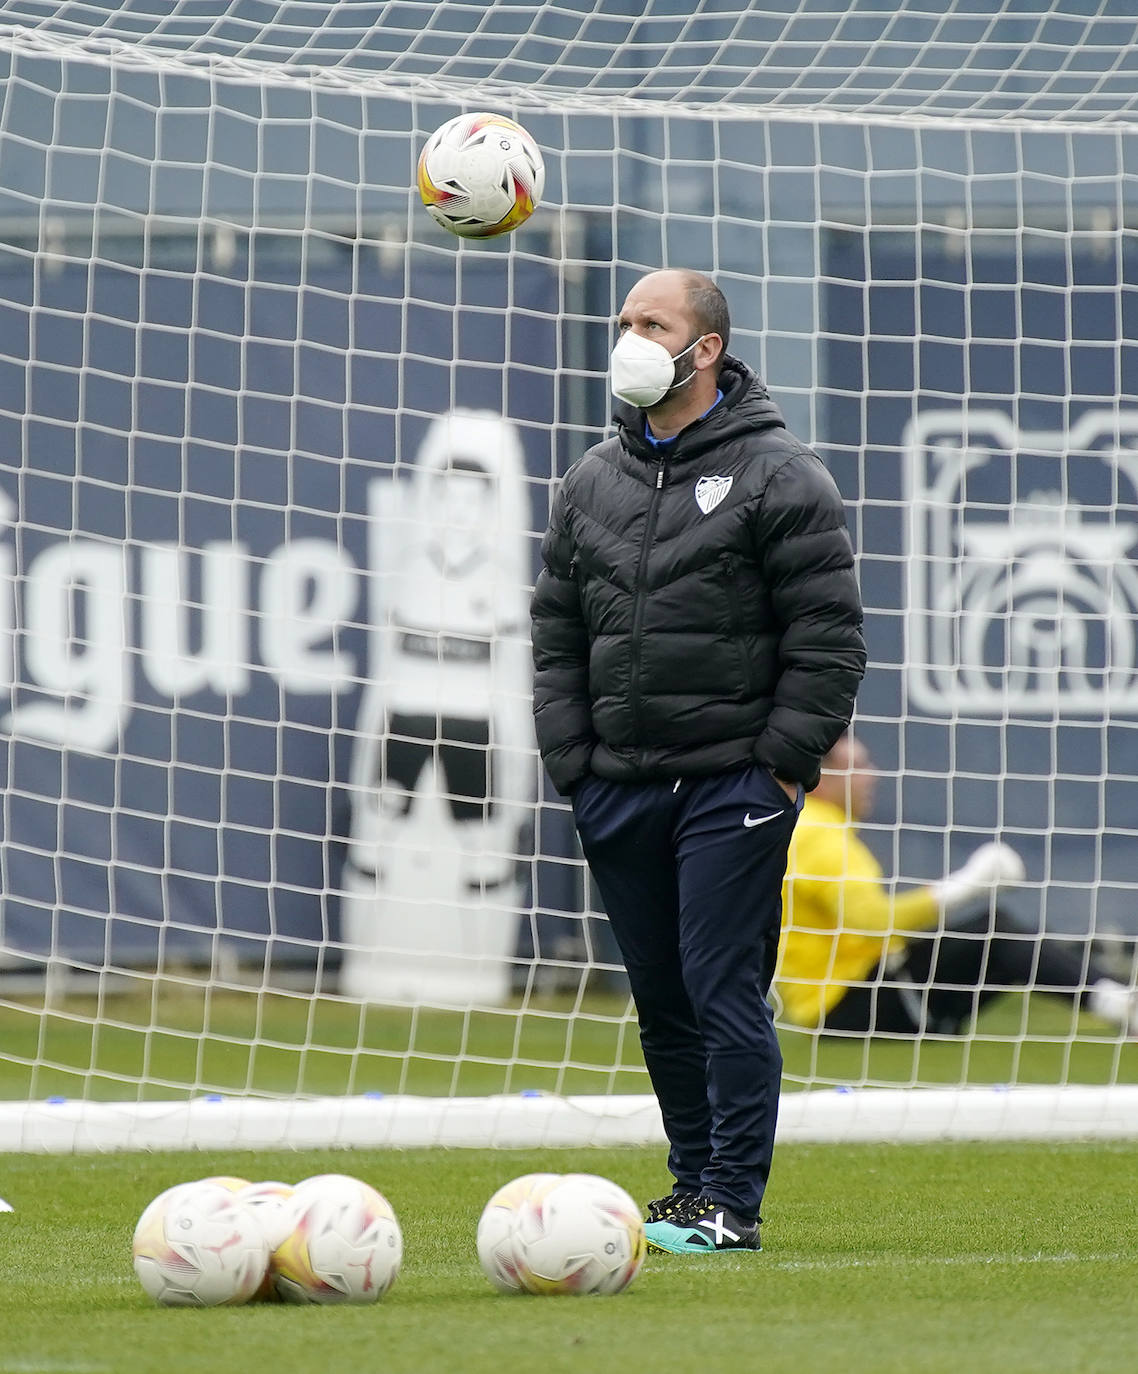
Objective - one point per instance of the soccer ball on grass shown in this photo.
(561, 1234)
(495, 1239)
(343, 1243)
(269, 1202)
(198, 1245)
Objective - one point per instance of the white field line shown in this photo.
(945, 1261)
(52, 1367)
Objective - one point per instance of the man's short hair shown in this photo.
(708, 306)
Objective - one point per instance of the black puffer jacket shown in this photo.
(697, 609)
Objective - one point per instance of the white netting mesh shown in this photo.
(1039, 60)
(228, 337)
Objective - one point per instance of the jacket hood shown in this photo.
(746, 406)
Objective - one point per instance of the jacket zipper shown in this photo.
(638, 610)
(736, 605)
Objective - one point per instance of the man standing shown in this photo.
(697, 648)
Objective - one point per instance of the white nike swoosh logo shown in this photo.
(751, 821)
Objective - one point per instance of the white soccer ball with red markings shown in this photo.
(571, 1234)
(198, 1245)
(480, 175)
(343, 1245)
(495, 1239)
(270, 1201)
(228, 1181)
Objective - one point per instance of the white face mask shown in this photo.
(643, 371)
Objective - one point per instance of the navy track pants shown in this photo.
(691, 873)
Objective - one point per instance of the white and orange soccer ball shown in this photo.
(343, 1244)
(481, 175)
(198, 1245)
(561, 1234)
(270, 1202)
(495, 1238)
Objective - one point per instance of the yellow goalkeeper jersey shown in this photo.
(838, 918)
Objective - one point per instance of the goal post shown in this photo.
(278, 861)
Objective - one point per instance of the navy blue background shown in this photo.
(256, 401)
(942, 324)
(255, 404)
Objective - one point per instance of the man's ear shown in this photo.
(708, 351)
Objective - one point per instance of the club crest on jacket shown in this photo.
(709, 491)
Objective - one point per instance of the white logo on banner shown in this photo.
(709, 491)
(1023, 594)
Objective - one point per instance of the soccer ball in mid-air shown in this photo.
(574, 1233)
(198, 1245)
(480, 175)
(344, 1244)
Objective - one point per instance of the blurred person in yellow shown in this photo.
(854, 957)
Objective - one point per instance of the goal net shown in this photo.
(278, 860)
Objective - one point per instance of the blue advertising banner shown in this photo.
(983, 416)
(186, 458)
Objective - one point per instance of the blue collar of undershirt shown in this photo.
(659, 443)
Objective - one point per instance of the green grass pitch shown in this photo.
(1008, 1258)
(877, 1258)
(193, 1038)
